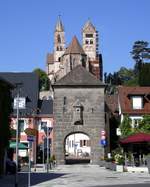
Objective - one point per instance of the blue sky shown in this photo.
(27, 26)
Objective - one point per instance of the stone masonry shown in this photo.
(78, 88)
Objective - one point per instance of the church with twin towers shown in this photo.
(65, 57)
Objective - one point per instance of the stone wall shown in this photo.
(92, 100)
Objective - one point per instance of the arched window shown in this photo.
(91, 41)
(86, 42)
(83, 63)
(58, 38)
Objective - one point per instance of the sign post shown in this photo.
(30, 139)
(31, 134)
(103, 138)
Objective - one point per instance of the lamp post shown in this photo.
(49, 129)
(43, 154)
(17, 106)
(17, 134)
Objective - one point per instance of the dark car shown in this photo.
(10, 166)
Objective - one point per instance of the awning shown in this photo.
(136, 138)
(20, 145)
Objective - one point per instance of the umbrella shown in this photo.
(20, 145)
(136, 138)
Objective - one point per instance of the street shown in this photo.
(79, 176)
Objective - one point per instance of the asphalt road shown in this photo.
(79, 176)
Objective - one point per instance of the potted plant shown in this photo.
(119, 159)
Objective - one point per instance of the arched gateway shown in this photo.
(77, 148)
(79, 116)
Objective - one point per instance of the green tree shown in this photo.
(140, 53)
(125, 127)
(124, 76)
(44, 82)
(144, 75)
(127, 77)
(144, 125)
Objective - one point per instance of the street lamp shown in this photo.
(17, 106)
(48, 131)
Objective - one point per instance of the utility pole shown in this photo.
(47, 150)
(16, 106)
(17, 134)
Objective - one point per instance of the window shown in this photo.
(58, 39)
(136, 123)
(84, 143)
(89, 35)
(43, 125)
(65, 101)
(21, 126)
(91, 41)
(59, 59)
(20, 103)
(86, 42)
(137, 102)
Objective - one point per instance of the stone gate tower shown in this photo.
(78, 108)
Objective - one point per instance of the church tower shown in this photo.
(90, 45)
(59, 40)
(90, 40)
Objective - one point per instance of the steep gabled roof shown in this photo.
(28, 89)
(89, 26)
(79, 76)
(59, 26)
(74, 47)
(6, 83)
(46, 107)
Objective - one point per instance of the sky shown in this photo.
(27, 30)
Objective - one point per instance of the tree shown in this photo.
(140, 53)
(122, 77)
(144, 75)
(44, 82)
(144, 124)
(127, 77)
(125, 126)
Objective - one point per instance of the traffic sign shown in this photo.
(103, 137)
(103, 142)
(103, 132)
(30, 138)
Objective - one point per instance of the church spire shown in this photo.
(59, 40)
(59, 26)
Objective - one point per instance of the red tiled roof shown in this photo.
(74, 47)
(125, 100)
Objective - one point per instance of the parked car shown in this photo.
(11, 166)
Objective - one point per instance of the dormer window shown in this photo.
(137, 102)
